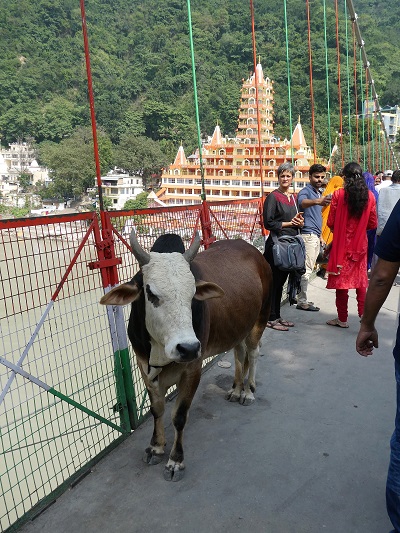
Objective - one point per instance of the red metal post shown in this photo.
(206, 229)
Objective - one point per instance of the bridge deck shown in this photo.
(309, 456)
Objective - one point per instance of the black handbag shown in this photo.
(289, 252)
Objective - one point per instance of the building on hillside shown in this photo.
(8, 179)
(232, 167)
(38, 173)
(15, 160)
(18, 156)
(390, 117)
(391, 121)
(120, 187)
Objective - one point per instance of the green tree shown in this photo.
(140, 202)
(140, 155)
(40, 189)
(71, 162)
(107, 203)
(59, 118)
(25, 181)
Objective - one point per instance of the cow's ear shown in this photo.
(122, 295)
(206, 290)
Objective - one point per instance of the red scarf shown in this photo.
(358, 245)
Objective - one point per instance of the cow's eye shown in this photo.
(155, 300)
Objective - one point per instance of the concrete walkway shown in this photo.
(310, 455)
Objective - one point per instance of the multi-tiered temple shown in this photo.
(233, 166)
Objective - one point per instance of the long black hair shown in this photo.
(355, 189)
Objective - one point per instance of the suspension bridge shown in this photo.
(311, 456)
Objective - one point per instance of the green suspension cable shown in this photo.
(327, 82)
(196, 102)
(363, 111)
(288, 75)
(348, 83)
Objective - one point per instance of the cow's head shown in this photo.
(169, 287)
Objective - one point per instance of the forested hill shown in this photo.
(140, 57)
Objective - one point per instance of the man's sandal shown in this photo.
(307, 307)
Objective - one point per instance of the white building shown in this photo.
(121, 187)
(390, 116)
(19, 158)
(8, 179)
(391, 120)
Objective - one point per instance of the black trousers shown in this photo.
(279, 278)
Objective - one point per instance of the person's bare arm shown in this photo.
(383, 275)
(308, 202)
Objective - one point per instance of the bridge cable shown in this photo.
(339, 82)
(196, 102)
(327, 85)
(366, 63)
(373, 118)
(363, 116)
(311, 80)
(356, 94)
(377, 144)
(256, 81)
(348, 84)
(288, 77)
(92, 112)
(367, 110)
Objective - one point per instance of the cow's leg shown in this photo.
(234, 394)
(174, 469)
(252, 349)
(154, 453)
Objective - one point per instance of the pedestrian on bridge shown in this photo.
(352, 213)
(382, 278)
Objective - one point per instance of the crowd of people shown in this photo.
(355, 218)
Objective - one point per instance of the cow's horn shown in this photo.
(142, 256)
(193, 248)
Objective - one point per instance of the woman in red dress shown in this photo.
(352, 213)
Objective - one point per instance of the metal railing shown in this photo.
(70, 390)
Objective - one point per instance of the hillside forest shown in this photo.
(142, 75)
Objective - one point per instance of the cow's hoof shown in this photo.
(174, 472)
(231, 396)
(151, 458)
(246, 399)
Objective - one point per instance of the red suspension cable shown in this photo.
(253, 36)
(92, 112)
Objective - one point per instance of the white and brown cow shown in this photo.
(187, 307)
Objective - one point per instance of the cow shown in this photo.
(188, 306)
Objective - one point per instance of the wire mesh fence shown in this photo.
(45, 440)
(62, 398)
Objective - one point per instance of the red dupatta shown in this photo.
(358, 245)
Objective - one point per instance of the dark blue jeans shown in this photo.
(393, 479)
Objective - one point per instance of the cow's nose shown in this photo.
(188, 351)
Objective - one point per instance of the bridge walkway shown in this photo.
(309, 456)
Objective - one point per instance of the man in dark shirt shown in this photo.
(383, 275)
(310, 201)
